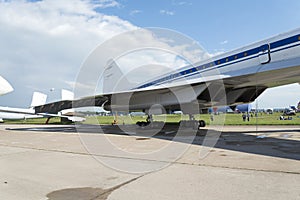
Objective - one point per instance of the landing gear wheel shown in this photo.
(142, 124)
(202, 123)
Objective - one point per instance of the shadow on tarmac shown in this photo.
(255, 142)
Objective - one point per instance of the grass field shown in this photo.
(226, 119)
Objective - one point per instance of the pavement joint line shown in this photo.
(84, 154)
(247, 169)
(174, 162)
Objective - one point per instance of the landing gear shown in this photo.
(202, 123)
(142, 124)
(149, 123)
(192, 123)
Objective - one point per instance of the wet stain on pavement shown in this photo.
(87, 193)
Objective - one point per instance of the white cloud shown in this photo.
(44, 43)
(181, 3)
(217, 52)
(142, 54)
(167, 12)
(134, 12)
(224, 42)
(105, 3)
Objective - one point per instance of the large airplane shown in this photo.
(232, 78)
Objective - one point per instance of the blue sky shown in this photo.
(43, 43)
(217, 25)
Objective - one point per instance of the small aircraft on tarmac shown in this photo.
(12, 113)
(23, 113)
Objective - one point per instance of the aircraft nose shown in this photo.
(5, 87)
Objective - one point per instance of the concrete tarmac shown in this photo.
(39, 162)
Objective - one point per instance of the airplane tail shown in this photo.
(114, 79)
(38, 99)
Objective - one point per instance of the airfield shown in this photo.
(51, 163)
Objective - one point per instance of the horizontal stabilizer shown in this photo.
(67, 95)
(38, 99)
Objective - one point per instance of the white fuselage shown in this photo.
(283, 52)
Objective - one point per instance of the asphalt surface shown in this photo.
(92, 163)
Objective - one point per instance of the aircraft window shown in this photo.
(245, 54)
(235, 57)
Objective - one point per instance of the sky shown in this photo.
(44, 43)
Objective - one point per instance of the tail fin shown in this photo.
(38, 99)
(114, 79)
(67, 95)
